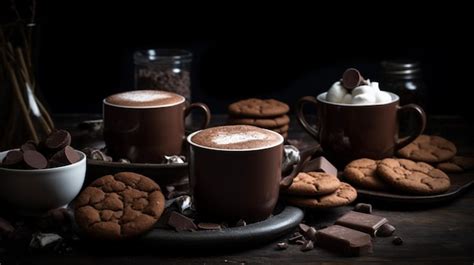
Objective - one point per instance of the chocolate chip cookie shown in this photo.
(313, 183)
(345, 194)
(119, 206)
(413, 177)
(363, 173)
(258, 108)
(457, 164)
(429, 149)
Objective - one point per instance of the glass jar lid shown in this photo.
(162, 56)
(401, 67)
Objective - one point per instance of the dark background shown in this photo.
(85, 50)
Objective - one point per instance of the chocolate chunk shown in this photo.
(180, 222)
(300, 242)
(99, 155)
(363, 222)
(5, 228)
(294, 238)
(241, 222)
(311, 234)
(64, 157)
(397, 241)
(58, 140)
(209, 226)
(303, 228)
(281, 246)
(13, 159)
(385, 230)
(34, 160)
(308, 245)
(320, 164)
(123, 161)
(348, 241)
(363, 208)
(28, 146)
(351, 78)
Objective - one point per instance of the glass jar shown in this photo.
(404, 78)
(164, 69)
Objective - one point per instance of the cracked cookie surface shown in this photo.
(429, 149)
(413, 177)
(260, 108)
(119, 206)
(363, 173)
(313, 183)
(345, 194)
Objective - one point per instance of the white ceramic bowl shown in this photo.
(38, 190)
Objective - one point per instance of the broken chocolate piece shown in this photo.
(180, 222)
(241, 222)
(308, 245)
(294, 238)
(385, 230)
(348, 241)
(351, 78)
(363, 222)
(363, 208)
(58, 140)
(320, 164)
(300, 242)
(311, 234)
(397, 241)
(13, 159)
(209, 226)
(281, 246)
(34, 160)
(303, 228)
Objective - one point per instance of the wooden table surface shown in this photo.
(432, 234)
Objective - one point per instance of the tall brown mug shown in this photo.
(239, 180)
(347, 132)
(145, 125)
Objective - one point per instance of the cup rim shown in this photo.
(83, 158)
(322, 98)
(104, 101)
(280, 142)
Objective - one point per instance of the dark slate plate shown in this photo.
(459, 184)
(253, 234)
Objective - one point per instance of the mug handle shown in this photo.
(305, 155)
(421, 126)
(204, 108)
(301, 118)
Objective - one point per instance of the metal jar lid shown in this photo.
(401, 67)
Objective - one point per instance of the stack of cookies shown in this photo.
(319, 190)
(264, 113)
(438, 152)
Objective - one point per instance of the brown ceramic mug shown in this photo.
(347, 132)
(145, 125)
(235, 177)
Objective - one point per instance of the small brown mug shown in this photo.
(237, 184)
(143, 130)
(347, 132)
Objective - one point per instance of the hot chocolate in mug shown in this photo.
(348, 131)
(145, 125)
